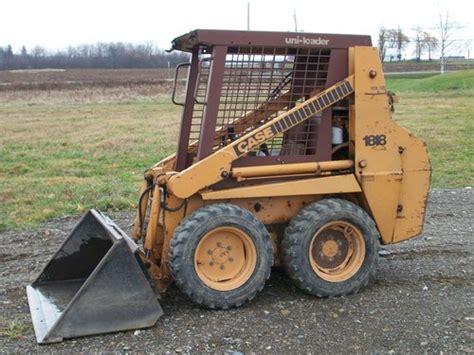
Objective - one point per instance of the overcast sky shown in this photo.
(56, 24)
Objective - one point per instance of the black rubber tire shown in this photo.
(186, 238)
(297, 240)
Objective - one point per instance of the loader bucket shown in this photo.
(95, 283)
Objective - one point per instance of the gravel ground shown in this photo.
(420, 301)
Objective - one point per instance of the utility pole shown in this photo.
(296, 20)
(248, 16)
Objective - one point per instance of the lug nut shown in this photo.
(209, 251)
(231, 259)
(219, 244)
(229, 247)
(222, 267)
(211, 263)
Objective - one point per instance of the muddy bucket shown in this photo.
(95, 283)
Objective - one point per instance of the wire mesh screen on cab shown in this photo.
(260, 83)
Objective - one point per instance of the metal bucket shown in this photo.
(95, 283)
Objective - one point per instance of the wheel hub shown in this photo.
(337, 251)
(330, 249)
(225, 258)
(221, 254)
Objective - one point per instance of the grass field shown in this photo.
(63, 157)
(452, 84)
(440, 109)
(64, 151)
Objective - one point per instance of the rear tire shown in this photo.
(330, 248)
(221, 256)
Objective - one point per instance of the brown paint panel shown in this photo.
(208, 123)
(187, 115)
(268, 39)
(337, 71)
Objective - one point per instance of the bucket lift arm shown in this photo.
(217, 166)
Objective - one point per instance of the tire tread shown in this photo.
(184, 235)
(292, 246)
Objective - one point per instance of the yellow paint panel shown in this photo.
(395, 175)
(377, 160)
(201, 175)
(152, 229)
(316, 186)
(382, 194)
(413, 199)
(415, 186)
(273, 210)
(288, 169)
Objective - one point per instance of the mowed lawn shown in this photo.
(64, 151)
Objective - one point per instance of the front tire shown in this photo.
(221, 256)
(330, 248)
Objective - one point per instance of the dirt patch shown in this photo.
(421, 300)
(80, 78)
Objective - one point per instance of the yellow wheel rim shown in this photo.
(225, 258)
(337, 251)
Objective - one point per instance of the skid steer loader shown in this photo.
(287, 155)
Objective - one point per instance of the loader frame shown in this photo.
(386, 170)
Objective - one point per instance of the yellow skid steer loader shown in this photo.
(287, 155)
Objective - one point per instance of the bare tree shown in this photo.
(398, 40)
(420, 44)
(382, 42)
(446, 29)
(38, 51)
(431, 44)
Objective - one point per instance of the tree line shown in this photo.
(443, 40)
(101, 55)
(398, 40)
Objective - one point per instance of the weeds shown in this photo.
(15, 329)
